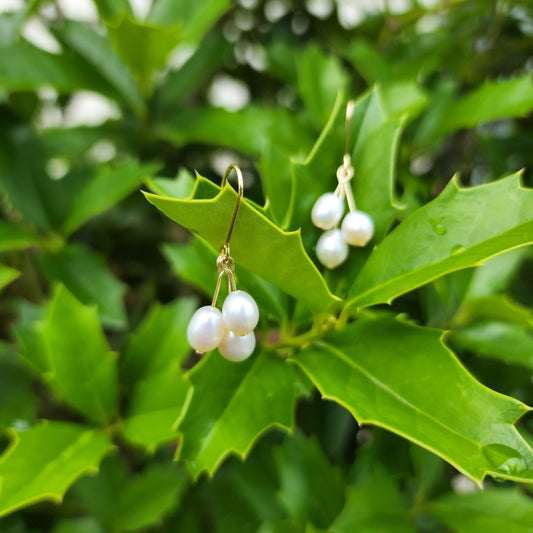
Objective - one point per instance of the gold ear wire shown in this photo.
(225, 263)
(345, 172)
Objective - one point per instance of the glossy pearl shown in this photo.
(205, 329)
(327, 211)
(331, 249)
(240, 312)
(237, 347)
(357, 228)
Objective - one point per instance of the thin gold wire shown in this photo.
(225, 263)
(346, 171)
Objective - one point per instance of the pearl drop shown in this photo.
(327, 211)
(240, 312)
(331, 249)
(357, 228)
(237, 347)
(205, 329)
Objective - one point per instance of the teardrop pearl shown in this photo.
(240, 312)
(237, 347)
(357, 228)
(205, 329)
(331, 249)
(327, 211)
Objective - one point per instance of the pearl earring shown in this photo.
(229, 330)
(357, 228)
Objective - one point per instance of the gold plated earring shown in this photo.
(229, 330)
(357, 228)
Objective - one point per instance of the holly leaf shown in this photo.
(42, 462)
(403, 378)
(231, 406)
(256, 243)
(7, 275)
(160, 341)
(492, 509)
(155, 405)
(85, 274)
(88, 381)
(448, 234)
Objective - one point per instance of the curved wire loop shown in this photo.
(346, 171)
(225, 263)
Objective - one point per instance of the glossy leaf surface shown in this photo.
(256, 243)
(42, 462)
(402, 378)
(447, 234)
(231, 405)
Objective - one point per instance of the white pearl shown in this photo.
(327, 211)
(331, 249)
(357, 228)
(237, 347)
(205, 329)
(240, 312)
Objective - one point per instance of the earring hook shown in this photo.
(349, 115)
(345, 172)
(225, 263)
(240, 192)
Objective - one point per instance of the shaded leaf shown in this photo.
(80, 368)
(103, 191)
(7, 275)
(402, 378)
(113, 10)
(97, 51)
(42, 462)
(403, 97)
(447, 234)
(256, 243)
(373, 505)
(502, 509)
(160, 341)
(510, 343)
(310, 488)
(231, 405)
(85, 274)
(194, 18)
(13, 238)
(155, 405)
(78, 525)
(492, 101)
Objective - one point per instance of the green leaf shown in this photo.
(13, 238)
(146, 498)
(178, 85)
(160, 341)
(85, 274)
(310, 488)
(492, 509)
(107, 188)
(44, 461)
(374, 505)
(113, 10)
(510, 343)
(448, 234)
(232, 405)
(256, 243)
(241, 130)
(402, 378)
(155, 405)
(179, 187)
(78, 525)
(195, 263)
(96, 50)
(24, 67)
(144, 47)
(492, 101)
(320, 78)
(402, 97)
(195, 18)
(7, 275)
(70, 350)
(18, 402)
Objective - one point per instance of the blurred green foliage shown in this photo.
(109, 423)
